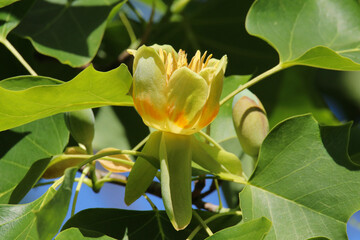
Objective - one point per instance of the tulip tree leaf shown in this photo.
(304, 183)
(322, 34)
(87, 90)
(7, 2)
(138, 225)
(70, 31)
(298, 95)
(81, 234)
(40, 219)
(10, 16)
(255, 230)
(25, 150)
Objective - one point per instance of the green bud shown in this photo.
(250, 122)
(81, 126)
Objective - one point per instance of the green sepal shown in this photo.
(175, 165)
(143, 171)
(217, 161)
(81, 126)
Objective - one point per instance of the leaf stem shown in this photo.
(202, 223)
(13, 50)
(218, 193)
(210, 219)
(253, 81)
(78, 187)
(140, 144)
(128, 27)
(109, 153)
(211, 140)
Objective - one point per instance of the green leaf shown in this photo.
(255, 230)
(11, 16)
(47, 224)
(21, 147)
(25, 151)
(196, 29)
(87, 90)
(81, 234)
(109, 137)
(298, 95)
(70, 31)
(304, 182)
(7, 2)
(139, 225)
(40, 219)
(322, 34)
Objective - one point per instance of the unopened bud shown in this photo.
(250, 122)
(81, 126)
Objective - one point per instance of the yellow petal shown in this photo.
(187, 94)
(149, 87)
(215, 76)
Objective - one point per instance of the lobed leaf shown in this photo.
(87, 90)
(36, 220)
(304, 182)
(255, 230)
(70, 31)
(322, 34)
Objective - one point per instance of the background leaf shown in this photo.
(119, 224)
(304, 182)
(70, 31)
(218, 27)
(322, 34)
(88, 89)
(297, 94)
(22, 221)
(81, 234)
(11, 16)
(7, 2)
(255, 230)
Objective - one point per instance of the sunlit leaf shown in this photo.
(255, 230)
(322, 34)
(304, 182)
(87, 90)
(25, 150)
(36, 220)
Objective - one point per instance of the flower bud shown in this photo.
(81, 126)
(250, 122)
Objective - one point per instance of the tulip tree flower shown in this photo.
(175, 96)
(179, 98)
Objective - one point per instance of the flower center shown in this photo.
(171, 62)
